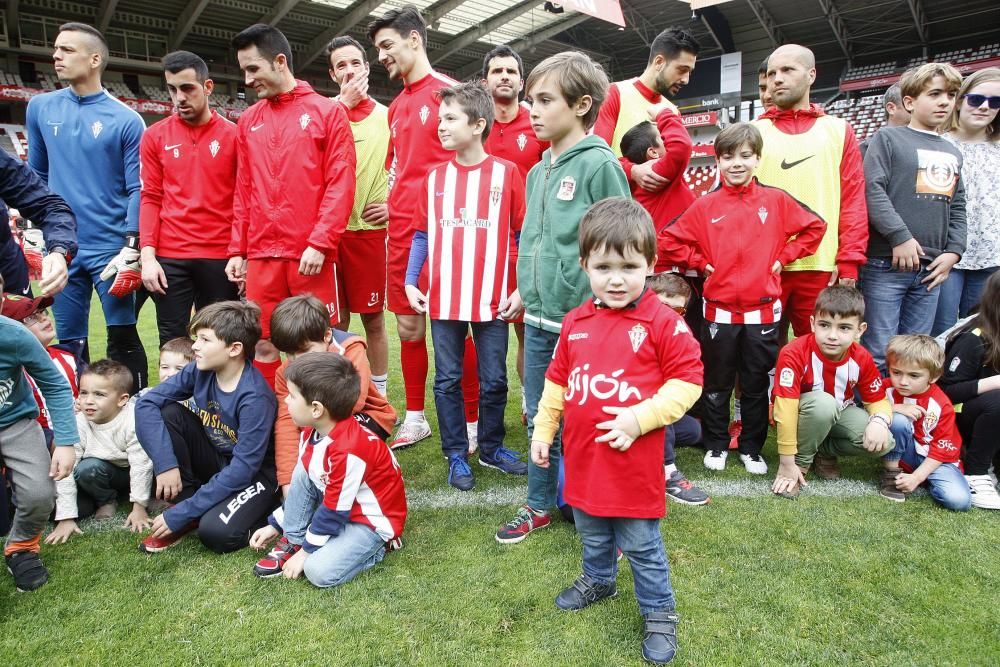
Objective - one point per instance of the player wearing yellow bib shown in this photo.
(361, 261)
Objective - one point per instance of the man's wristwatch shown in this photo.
(61, 250)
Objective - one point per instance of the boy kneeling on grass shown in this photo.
(216, 464)
(627, 366)
(928, 444)
(346, 506)
(814, 408)
(109, 458)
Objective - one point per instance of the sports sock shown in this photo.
(670, 468)
(268, 369)
(414, 416)
(413, 359)
(381, 383)
(737, 416)
(125, 346)
(470, 381)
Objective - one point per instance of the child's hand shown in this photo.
(292, 569)
(911, 412)
(160, 527)
(417, 299)
(262, 537)
(788, 475)
(907, 482)
(512, 307)
(168, 484)
(876, 436)
(622, 431)
(540, 453)
(138, 519)
(63, 460)
(776, 267)
(64, 530)
(709, 270)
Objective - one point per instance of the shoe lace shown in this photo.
(504, 454)
(458, 466)
(524, 515)
(682, 482)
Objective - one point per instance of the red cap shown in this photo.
(18, 307)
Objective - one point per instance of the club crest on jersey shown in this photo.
(713, 329)
(424, 113)
(496, 192)
(637, 335)
(213, 148)
(522, 141)
(567, 187)
(930, 420)
(762, 214)
(304, 121)
(96, 128)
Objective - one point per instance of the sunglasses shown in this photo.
(976, 100)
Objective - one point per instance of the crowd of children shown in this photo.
(600, 270)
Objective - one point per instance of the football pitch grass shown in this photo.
(840, 576)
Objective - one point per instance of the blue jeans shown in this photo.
(640, 540)
(539, 346)
(357, 548)
(896, 302)
(959, 293)
(100, 479)
(947, 484)
(449, 350)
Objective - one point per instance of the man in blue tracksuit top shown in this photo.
(85, 144)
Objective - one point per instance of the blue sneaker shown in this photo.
(504, 460)
(459, 473)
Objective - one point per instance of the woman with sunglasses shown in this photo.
(974, 127)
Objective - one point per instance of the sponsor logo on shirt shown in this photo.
(583, 386)
(785, 164)
(876, 384)
(786, 378)
(579, 336)
(947, 445)
(715, 220)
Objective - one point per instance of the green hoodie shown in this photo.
(549, 276)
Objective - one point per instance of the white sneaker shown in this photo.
(755, 465)
(715, 460)
(410, 433)
(984, 494)
(472, 431)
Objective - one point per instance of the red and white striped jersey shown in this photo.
(935, 434)
(802, 368)
(470, 215)
(67, 365)
(360, 480)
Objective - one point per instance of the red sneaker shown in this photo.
(271, 564)
(154, 545)
(735, 428)
(526, 521)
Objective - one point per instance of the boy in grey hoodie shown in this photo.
(565, 92)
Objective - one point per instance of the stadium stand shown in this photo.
(864, 114)
(700, 179)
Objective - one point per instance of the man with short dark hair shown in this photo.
(186, 212)
(85, 144)
(672, 57)
(361, 262)
(294, 186)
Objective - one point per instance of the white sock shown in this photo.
(472, 428)
(414, 416)
(770, 382)
(669, 468)
(381, 383)
(736, 410)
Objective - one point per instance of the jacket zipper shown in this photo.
(545, 197)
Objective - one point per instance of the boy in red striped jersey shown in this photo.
(468, 215)
(814, 409)
(347, 506)
(928, 444)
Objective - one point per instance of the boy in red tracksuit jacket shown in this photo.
(295, 185)
(669, 144)
(748, 232)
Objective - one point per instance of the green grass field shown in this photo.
(838, 577)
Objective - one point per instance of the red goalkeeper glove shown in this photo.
(125, 268)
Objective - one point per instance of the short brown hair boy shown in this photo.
(616, 224)
(917, 349)
(474, 101)
(298, 321)
(577, 77)
(116, 373)
(840, 301)
(731, 138)
(232, 322)
(329, 379)
(667, 285)
(916, 80)
(180, 346)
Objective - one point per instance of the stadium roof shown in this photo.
(462, 31)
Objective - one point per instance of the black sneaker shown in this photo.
(660, 643)
(504, 460)
(28, 570)
(683, 491)
(584, 592)
(887, 486)
(460, 474)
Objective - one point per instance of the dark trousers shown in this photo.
(685, 432)
(979, 424)
(191, 282)
(98, 482)
(749, 350)
(229, 524)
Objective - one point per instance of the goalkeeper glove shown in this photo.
(125, 268)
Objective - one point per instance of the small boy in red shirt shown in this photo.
(923, 424)
(739, 236)
(624, 368)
